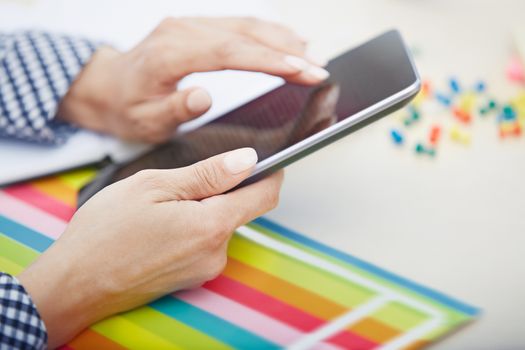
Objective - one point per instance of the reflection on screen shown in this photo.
(291, 113)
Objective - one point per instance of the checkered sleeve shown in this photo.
(36, 70)
(20, 324)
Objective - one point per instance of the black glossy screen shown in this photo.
(358, 79)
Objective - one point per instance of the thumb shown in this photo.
(209, 177)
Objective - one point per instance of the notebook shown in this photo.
(280, 289)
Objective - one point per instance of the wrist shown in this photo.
(91, 99)
(65, 295)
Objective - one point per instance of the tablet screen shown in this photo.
(291, 113)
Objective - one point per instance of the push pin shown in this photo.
(454, 85)
(491, 106)
(509, 129)
(444, 100)
(421, 149)
(461, 115)
(467, 102)
(480, 86)
(435, 134)
(396, 136)
(459, 136)
(413, 117)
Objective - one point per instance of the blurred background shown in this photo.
(454, 221)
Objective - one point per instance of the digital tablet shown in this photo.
(292, 121)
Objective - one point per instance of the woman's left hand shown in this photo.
(134, 95)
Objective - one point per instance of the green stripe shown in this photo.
(10, 267)
(172, 330)
(296, 272)
(131, 336)
(453, 317)
(405, 317)
(16, 252)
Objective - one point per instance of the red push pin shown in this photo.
(513, 130)
(435, 134)
(461, 115)
(425, 88)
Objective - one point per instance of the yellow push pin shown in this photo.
(467, 101)
(459, 136)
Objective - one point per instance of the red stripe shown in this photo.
(36, 198)
(278, 310)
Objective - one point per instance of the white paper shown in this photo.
(121, 23)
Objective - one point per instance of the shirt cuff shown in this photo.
(36, 71)
(21, 326)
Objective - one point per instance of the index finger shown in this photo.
(246, 203)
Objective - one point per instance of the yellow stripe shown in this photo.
(131, 336)
(308, 277)
(10, 267)
(78, 178)
(57, 189)
(173, 330)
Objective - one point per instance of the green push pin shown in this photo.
(421, 149)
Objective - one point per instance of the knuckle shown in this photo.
(146, 177)
(217, 264)
(230, 48)
(168, 23)
(207, 178)
(217, 232)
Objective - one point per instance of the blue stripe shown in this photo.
(210, 324)
(373, 269)
(24, 235)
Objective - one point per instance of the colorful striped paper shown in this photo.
(279, 289)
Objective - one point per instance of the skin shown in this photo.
(158, 231)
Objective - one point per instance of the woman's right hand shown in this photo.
(153, 233)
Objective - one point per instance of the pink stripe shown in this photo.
(244, 317)
(31, 217)
(37, 199)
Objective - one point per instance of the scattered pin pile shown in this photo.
(464, 105)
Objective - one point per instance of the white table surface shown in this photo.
(455, 223)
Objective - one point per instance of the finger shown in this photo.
(240, 53)
(246, 203)
(204, 179)
(268, 33)
(157, 119)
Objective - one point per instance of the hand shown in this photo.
(134, 95)
(151, 234)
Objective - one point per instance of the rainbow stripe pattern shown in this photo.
(279, 289)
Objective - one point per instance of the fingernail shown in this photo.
(296, 62)
(318, 72)
(240, 160)
(316, 60)
(198, 101)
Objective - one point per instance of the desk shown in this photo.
(455, 223)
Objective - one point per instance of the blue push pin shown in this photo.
(444, 100)
(508, 114)
(480, 86)
(397, 136)
(454, 85)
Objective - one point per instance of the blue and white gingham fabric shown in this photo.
(20, 324)
(36, 71)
